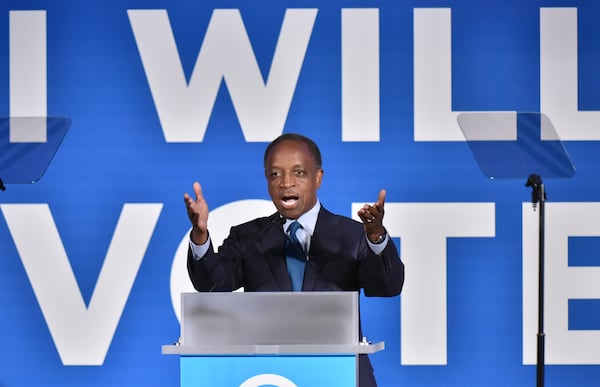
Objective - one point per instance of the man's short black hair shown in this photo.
(312, 147)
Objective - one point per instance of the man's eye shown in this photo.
(275, 174)
(300, 172)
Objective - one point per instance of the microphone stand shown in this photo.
(538, 195)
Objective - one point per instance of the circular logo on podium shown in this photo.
(268, 380)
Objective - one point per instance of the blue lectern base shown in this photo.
(276, 370)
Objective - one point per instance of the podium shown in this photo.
(283, 339)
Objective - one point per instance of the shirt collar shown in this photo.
(308, 220)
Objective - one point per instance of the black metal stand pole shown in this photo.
(538, 196)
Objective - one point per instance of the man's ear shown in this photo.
(319, 177)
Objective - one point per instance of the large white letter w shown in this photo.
(226, 53)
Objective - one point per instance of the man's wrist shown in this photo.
(198, 237)
(379, 238)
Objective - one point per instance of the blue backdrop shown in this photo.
(164, 93)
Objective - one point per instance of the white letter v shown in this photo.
(82, 335)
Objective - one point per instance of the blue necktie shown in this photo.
(295, 257)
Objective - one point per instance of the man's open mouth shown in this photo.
(289, 200)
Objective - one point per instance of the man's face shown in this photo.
(293, 178)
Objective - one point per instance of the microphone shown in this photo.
(275, 220)
(278, 219)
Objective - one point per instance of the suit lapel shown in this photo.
(318, 256)
(272, 243)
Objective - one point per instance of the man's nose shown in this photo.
(288, 180)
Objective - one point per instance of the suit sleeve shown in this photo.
(381, 275)
(216, 272)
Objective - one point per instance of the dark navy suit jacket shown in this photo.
(253, 256)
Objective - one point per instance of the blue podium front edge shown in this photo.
(290, 365)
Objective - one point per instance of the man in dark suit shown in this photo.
(341, 254)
